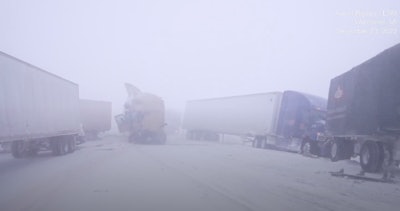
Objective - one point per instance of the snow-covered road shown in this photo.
(111, 174)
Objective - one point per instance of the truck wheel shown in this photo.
(257, 142)
(71, 145)
(17, 149)
(33, 152)
(64, 146)
(54, 147)
(254, 144)
(306, 147)
(337, 150)
(371, 156)
(325, 149)
(59, 146)
(263, 143)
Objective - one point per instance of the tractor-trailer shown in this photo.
(286, 119)
(38, 110)
(95, 117)
(364, 112)
(143, 117)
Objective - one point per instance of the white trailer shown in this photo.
(249, 114)
(38, 110)
(280, 119)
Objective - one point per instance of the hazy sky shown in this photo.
(183, 50)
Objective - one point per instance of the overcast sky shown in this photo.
(183, 50)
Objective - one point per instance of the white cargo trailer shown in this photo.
(279, 119)
(248, 114)
(38, 110)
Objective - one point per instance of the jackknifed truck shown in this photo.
(143, 117)
(38, 110)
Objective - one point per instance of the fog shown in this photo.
(182, 50)
(185, 50)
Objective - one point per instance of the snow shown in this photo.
(112, 174)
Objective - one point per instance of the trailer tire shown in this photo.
(263, 144)
(306, 148)
(325, 149)
(258, 142)
(337, 150)
(33, 152)
(64, 145)
(71, 145)
(17, 149)
(59, 146)
(371, 156)
(54, 147)
(253, 144)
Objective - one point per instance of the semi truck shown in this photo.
(95, 117)
(38, 110)
(143, 117)
(288, 120)
(363, 116)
